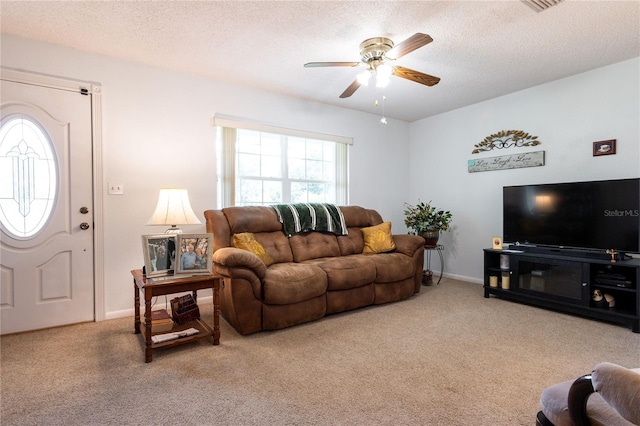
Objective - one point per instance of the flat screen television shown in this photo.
(596, 215)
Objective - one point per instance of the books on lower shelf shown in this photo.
(161, 321)
(159, 338)
(184, 309)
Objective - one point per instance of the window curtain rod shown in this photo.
(239, 123)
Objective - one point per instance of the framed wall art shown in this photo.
(194, 253)
(607, 147)
(159, 254)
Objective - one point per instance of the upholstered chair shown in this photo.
(609, 396)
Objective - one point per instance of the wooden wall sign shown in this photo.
(504, 162)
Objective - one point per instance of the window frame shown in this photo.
(227, 157)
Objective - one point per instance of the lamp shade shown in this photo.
(173, 209)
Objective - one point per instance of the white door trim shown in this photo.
(95, 89)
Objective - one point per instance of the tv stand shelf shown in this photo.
(565, 283)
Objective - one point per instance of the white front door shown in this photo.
(46, 207)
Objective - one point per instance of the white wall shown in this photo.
(567, 115)
(157, 133)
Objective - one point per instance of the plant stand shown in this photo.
(427, 274)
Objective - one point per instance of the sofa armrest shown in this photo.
(408, 244)
(231, 257)
(620, 388)
(579, 393)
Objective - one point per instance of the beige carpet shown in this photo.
(447, 356)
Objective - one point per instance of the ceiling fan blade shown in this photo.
(416, 76)
(351, 89)
(409, 45)
(331, 64)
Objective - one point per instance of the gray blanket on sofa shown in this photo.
(306, 217)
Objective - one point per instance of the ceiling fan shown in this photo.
(377, 54)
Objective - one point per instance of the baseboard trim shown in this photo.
(131, 311)
(464, 278)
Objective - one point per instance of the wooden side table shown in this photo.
(169, 285)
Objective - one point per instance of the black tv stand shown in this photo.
(571, 251)
(566, 282)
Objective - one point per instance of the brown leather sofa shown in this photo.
(313, 274)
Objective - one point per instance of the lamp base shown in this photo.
(173, 230)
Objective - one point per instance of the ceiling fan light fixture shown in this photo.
(382, 82)
(383, 75)
(384, 71)
(374, 48)
(363, 77)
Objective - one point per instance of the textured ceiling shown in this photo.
(481, 49)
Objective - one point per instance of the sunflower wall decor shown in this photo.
(506, 139)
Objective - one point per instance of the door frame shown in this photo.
(95, 91)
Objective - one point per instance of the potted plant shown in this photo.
(427, 221)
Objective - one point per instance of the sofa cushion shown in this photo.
(276, 244)
(352, 243)
(252, 219)
(313, 245)
(345, 300)
(378, 239)
(286, 283)
(275, 317)
(391, 292)
(346, 272)
(359, 217)
(391, 267)
(218, 226)
(246, 241)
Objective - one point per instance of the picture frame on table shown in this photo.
(159, 254)
(496, 243)
(607, 147)
(194, 253)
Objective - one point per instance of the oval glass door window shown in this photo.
(28, 177)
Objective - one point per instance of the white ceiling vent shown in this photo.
(540, 5)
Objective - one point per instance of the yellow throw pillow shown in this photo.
(247, 241)
(378, 239)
